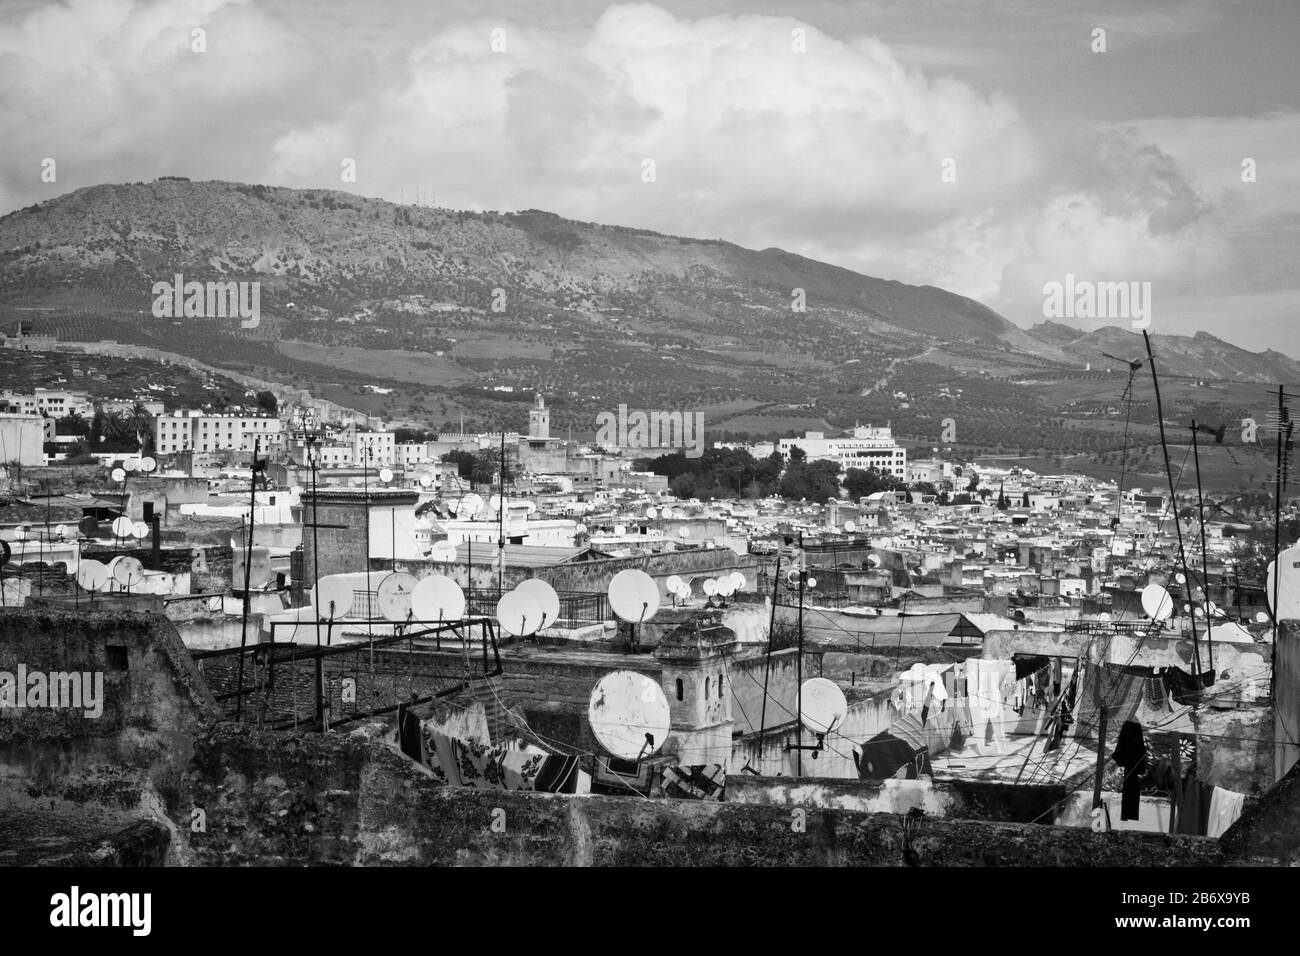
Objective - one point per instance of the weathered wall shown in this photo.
(1286, 699)
(347, 800)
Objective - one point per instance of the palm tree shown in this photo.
(139, 424)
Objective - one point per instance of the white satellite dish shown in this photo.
(1157, 603)
(725, 586)
(1103, 617)
(394, 595)
(470, 506)
(91, 574)
(123, 528)
(850, 526)
(438, 598)
(737, 581)
(633, 596)
(541, 596)
(684, 531)
(581, 528)
(147, 464)
(874, 560)
(21, 532)
(117, 474)
(518, 615)
(620, 529)
(812, 582)
(823, 706)
(1261, 617)
(673, 584)
(710, 587)
(140, 529)
(333, 598)
(652, 512)
(61, 532)
(629, 714)
(385, 475)
(1288, 592)
(425, 481)
(128, 571)
(131, 464)
(442, 551)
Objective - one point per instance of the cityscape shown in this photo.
(531, 502)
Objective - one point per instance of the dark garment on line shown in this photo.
(408, 733)
(925, 714)
(1063, 714)
(1029, 664)
(1184, 687)
(884, 755)
(1131, 754)
(1194, 809)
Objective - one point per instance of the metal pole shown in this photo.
(798, 717)
(248, 567)
(1173, 498)
(767, 666)
(1205, 560)
(1277, 511)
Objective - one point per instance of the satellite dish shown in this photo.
(673, 584)
(725, 586)
(874, 560)
(442, 551)
(128, 571)
(1288, 592)
(394, 595)
(438, 598)
(629, 714)
(470, 506)
(812, 582)
(517, 615)
(633, 596)
(1261, 617)
(684, 531)
(581, 528)
(21, 532)
(140, 529)
(850, 526)
(91, 574)
(1103, 617)
(385, 475)
(1157, 603)
(123, 528)
(117, 474)
(131, 464)
(61, 532)
(88, 526)
(332, 597)
(652, 512)
(540, 595)
(710, 587)
(738, 581)
(620, 529)
(792, 577)
(147, 464)
(425, 481)
(823, 706)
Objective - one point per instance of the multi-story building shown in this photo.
(195, 431)
(375, 448)
(868, 447)
(48, 402)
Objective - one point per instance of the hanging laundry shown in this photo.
(702, 782)
(1225, 808)
(1194, 808)
(1131, 754)
(1185, 688)
(465, 763)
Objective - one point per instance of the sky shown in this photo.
(988, 148)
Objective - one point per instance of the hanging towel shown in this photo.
(1225, 808)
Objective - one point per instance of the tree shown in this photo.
(860, 483)
(464, 463)
(138, 426)
(267, 402)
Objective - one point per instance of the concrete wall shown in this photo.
(347, 800)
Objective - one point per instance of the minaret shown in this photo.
(539, 420)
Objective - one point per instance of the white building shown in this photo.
(194, 431)
(53, 403)
(22, 439)
(867, 447)
(374, 448)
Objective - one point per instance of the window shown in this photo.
(719, 685)
(679, 688)
(706, 688)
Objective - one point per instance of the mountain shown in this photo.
(425, 315)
